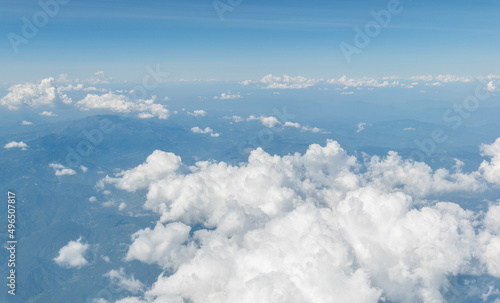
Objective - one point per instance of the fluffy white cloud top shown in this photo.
(73, 254)
(15, 144)
(317, 227)
(124, 104)
(122, 281)
(167, 243)
(33, 95)
(61, 170)
(491, 169)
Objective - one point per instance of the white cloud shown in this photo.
(318, 227)
(79, 87)
(491, 169)
(26, 123)
(64, 78)
(267, 121)
(408, 128)
(165, 245)
(311, 129)
(48, 114)
(198, 130)
(228, 96)
(492, 86)
(122, 281)
(442, 78)
(270, 122)
(361, 82)
(14, 144)
(206, 130)
(124, 104)
(292, 124)
(84, 168)
(237, 119)
(347, 93)
(137, 300)
(287, 82)
(44, 93)
(72, 255)
(361, 127)
(100, 77)
(198, 113)
(61, 170)
(406, 85)
(246, 82)
(157, 166)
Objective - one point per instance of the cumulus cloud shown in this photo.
(287, 82)
(292, 124)
(72, 255)
(122, 281)
(198, 113)
(157, 166)
(198, 130)
(124, 104)
(48, 114)
(26, 123)
(61, 170)
(317, 227)
(267, 121)
(165, 245)
(14, 144)
(491, 169)
(44, 93)
(228, 96)
(310, 129)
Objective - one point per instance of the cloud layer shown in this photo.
(317, 227)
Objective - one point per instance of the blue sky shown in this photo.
(255, 38)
